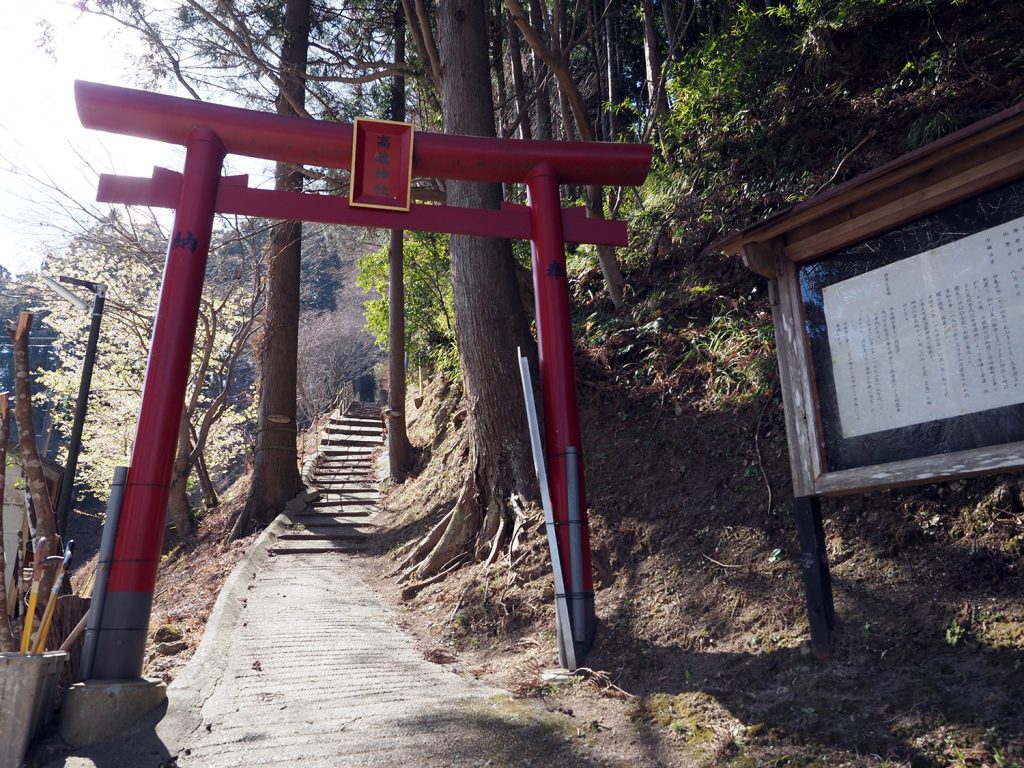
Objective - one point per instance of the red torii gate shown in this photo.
(209, 132)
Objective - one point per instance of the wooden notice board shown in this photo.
(898, 303)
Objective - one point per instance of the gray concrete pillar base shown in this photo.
(97, 710)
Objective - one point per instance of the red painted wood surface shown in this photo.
(234, 197)
(315, 142)
(557, 362)
(140, 533)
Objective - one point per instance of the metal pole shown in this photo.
(99, 589)
(563, 624)
(125, 622)
(558, 382)
(67, 487)
(577, 597)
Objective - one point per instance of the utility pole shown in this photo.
(99, 292)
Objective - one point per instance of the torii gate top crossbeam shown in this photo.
(315, 142)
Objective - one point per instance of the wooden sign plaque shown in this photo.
(381, 164)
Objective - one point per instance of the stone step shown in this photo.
(347, 492)
(338, 510)
(340, 486)
(359, 420)
(351, 434)
(353, 489)
(334, 516)
(356, 442)
(346, 476)
(334, 497)
(331, 525)
(344, 500)
(359, 439)
(312, 549)
(359, 426)
(344, 507)
(348, 544)
(311, 536)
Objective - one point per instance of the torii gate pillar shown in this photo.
(563, 448)
(121, 642)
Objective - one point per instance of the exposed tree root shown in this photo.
(468, 531)
(415, 551)
(463, 525)
(496, 542)
(413, 589)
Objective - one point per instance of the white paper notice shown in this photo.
(933, 336)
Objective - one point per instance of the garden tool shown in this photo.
(51, 603)
(37, 573)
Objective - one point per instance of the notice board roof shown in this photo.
(975, 159)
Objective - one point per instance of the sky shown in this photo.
(48, 162)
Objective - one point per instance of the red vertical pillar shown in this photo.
(125, 621)
(563, 449)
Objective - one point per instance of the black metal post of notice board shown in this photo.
(817, 580)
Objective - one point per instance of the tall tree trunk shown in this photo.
(496, 42)
(594, 8)
(206, 486)
(398, 438)
(652, 62)
(177, 499)
(489, 317)
(556, 34)
(537, 66)
(46, 524)
(515, 50)
(6, 635)
(668, 10)
(275, 477)
(690, 31)
(612, 71)
(423, 38)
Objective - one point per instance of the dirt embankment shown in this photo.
(701, 655)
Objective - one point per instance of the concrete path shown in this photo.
(303, 663)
